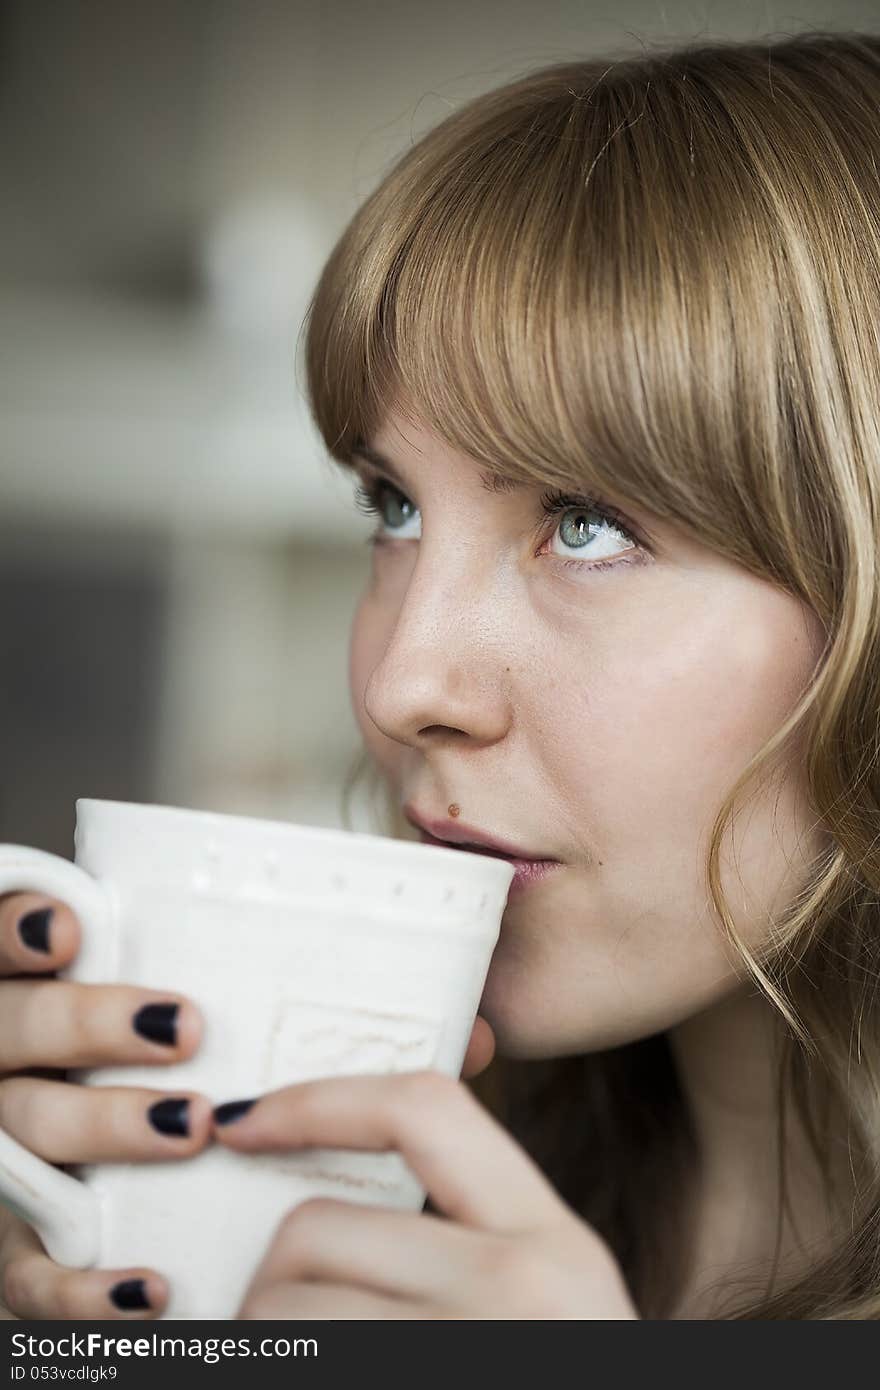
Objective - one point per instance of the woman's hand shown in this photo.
(46, 1027)
(510, 1249)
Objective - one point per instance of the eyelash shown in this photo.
(553, 504)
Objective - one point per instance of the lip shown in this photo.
(527, 871)
(451, 833)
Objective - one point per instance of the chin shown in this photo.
(537, 1020)
(523, 1023)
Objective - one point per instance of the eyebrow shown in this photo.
(491, 482)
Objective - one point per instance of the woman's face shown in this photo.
(594, 716)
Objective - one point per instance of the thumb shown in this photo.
(480, 1049)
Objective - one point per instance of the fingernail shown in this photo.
(130, 1293)
(33, 929)
(158, 1022)
(170, 1116)
(232, 1110)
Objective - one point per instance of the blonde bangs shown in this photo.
(582, 279)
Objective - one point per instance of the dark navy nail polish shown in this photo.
(33, 928)
(158, 1022)
(232, 1110)
(170, 1116)
(130, 1293)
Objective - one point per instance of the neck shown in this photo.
(727, 1060)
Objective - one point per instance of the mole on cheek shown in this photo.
(454, 810)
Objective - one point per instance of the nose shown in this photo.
(444, 671)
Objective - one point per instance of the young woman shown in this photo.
(602, 352)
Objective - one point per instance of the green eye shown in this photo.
(368, 499)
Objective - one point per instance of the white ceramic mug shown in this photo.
(311, 952)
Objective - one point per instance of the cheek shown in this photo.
(627, 943)
(674, 718)
(672, 714)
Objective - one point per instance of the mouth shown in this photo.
(452, 835)
(455, 835)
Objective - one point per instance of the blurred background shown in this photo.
(179, 561)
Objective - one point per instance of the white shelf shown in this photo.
(121, 414)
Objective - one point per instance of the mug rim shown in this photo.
(476, 864)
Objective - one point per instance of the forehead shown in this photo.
(491, 482)
(400, 437)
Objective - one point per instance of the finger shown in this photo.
(34, 1287)
(328, 1302)
(64, 1122)
(37, 933)
(396, 1253)
(55, 1023)
(470, 1166)
(480, 1050)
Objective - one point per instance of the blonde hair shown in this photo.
(659, 275)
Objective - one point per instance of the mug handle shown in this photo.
(63, 1211)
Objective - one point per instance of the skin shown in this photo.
(662, 678)
(599, 717)
(593, 716)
